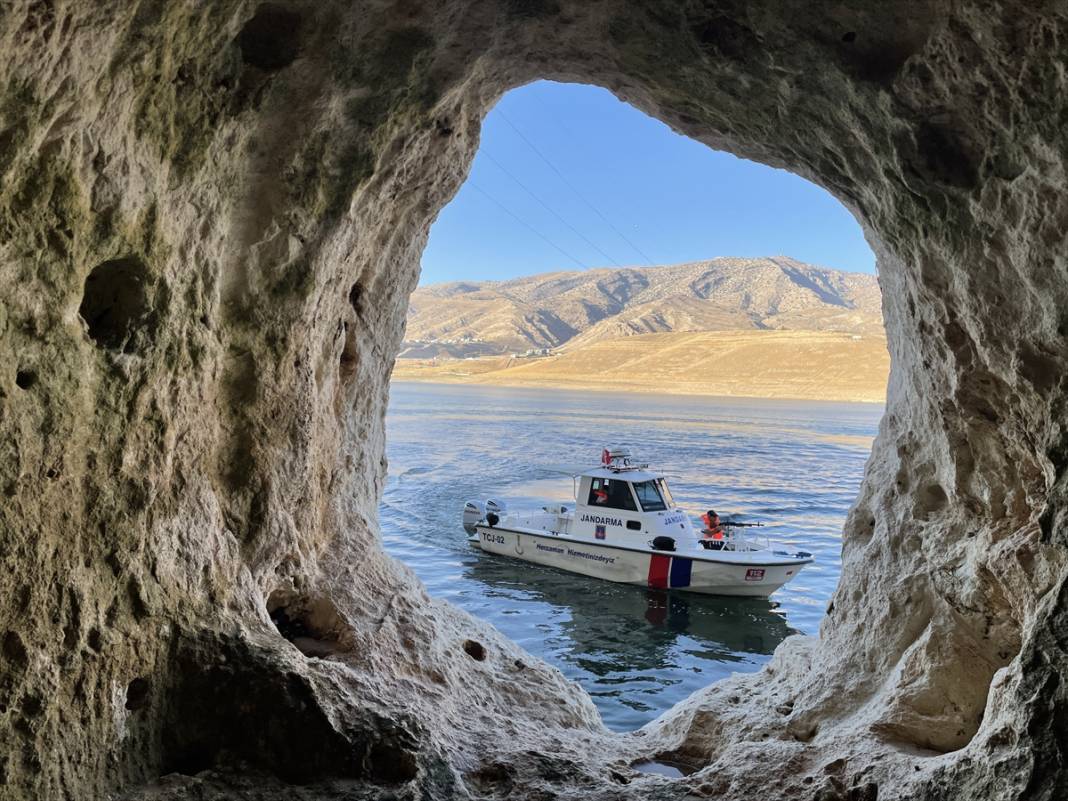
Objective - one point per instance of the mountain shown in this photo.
(565, 310)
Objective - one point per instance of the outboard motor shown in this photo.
(473, 513)
(494, 511)
(663, 543)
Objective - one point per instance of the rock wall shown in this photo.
(210, 222)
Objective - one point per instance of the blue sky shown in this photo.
(612, 186)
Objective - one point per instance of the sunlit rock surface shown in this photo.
(211, 216)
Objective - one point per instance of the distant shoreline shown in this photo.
(783, 365)
(621, 389)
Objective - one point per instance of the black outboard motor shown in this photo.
(494, 512)
(663, 543)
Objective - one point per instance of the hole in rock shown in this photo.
(349, 353)
(270, 40)
(945, 154)
(930, 499)
(232, 702)
(803, 733)
(32, 706)
(24, 379)
(475, 650)
(314, 626)
(572, 298)
(356, 297)
(137, 692)
(14, 652)
(673, 769)
(392, 764)
(115, 303)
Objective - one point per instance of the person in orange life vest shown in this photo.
(713, 537)
(600, 495)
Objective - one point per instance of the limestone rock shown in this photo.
(210, 222)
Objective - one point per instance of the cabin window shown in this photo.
(649, 496)
(664, 491)
(611, 494)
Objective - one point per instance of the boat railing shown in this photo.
(736, 541)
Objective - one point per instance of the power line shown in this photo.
(524, 223)
(567, 183)
(549, 209)
(547, 111)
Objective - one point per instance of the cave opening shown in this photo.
(542, 263)
(271, 171)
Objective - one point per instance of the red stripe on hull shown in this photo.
(659, 566)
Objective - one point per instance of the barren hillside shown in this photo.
(808, 365)
(571, 309)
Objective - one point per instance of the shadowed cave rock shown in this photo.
(231, 200)
(271, 39)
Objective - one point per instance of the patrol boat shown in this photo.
(626, 527)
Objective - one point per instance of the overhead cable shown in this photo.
(524, 223)
(569, 185)
(549, 209)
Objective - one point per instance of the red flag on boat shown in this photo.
(605, 457)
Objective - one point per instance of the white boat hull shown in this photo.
(752, 574)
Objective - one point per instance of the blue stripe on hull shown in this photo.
(680, 571)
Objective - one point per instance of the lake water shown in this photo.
(794, 465)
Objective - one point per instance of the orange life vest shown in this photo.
(713, 529)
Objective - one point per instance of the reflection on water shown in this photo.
(794, 465)
(622, 625)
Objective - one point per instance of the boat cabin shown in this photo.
(624, 502)
(628, 494)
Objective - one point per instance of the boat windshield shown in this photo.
(649, 496)
(665, 491)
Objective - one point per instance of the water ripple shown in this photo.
(795, 466)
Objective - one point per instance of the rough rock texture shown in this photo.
(210, 222)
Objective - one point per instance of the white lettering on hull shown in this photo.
(608, 560)
(594, 557)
